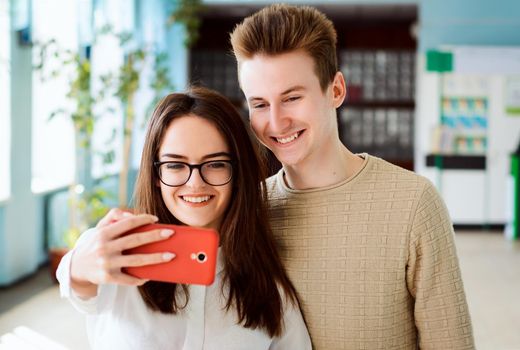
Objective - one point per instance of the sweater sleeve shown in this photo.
(105, 293)
(434, 279)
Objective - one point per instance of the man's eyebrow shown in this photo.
(207, 156)
(288, 91)
(293, 89)
(254, 98)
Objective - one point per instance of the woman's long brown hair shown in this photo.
(252, 270)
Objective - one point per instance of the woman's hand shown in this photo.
(99, 258)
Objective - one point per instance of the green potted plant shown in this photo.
(86, 201)
(127, 83)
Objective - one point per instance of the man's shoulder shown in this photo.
(383, 171)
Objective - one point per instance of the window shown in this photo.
(5, 98)
(53, 140)
(107, 57)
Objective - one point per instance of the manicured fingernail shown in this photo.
(126, 214)
(166, 233)
(168, 256)
(155, 218)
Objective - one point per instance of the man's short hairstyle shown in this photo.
(281, 28)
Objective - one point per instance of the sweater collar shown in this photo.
(280, 179)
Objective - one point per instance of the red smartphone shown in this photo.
(196, 255)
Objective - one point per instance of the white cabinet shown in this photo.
(472, 196)
(464, 192)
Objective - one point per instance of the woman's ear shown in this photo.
(339, 90)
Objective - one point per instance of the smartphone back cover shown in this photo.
(188, 243)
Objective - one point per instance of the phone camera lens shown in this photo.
(201, 257)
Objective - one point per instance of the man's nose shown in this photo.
(279, 121)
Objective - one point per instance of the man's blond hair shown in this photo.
(281, 28)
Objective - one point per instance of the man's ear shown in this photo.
(339, 89)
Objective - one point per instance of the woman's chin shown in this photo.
(199, 223)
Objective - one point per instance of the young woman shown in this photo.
(251, 305)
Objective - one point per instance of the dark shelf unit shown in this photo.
(378, 104)
(456, 162)
(377, 58)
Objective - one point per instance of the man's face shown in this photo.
(289, 112)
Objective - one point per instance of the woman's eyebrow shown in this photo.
(218, 154)
(207, 156)
(173, 155)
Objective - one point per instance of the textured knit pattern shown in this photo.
(373, 260)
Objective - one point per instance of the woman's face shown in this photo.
(194, 140)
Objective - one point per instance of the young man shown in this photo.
(368, 245)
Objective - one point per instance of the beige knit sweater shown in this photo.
(373, 260)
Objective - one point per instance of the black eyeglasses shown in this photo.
(213, 172)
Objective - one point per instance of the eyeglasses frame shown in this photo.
(198, 166)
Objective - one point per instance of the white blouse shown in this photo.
(118, 318)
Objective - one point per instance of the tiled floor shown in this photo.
(24, 289)
(45, 313)
(490, 268)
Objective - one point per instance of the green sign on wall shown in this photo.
(439, 61)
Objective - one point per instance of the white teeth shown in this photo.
(287, 139)
(199, 199)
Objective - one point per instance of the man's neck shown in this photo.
(325, 168)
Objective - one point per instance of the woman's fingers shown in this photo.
(123, 278)
(109, 267)
(138, 239)
(115, 214)
(116, 229)
(100, 260)
(143, 259)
